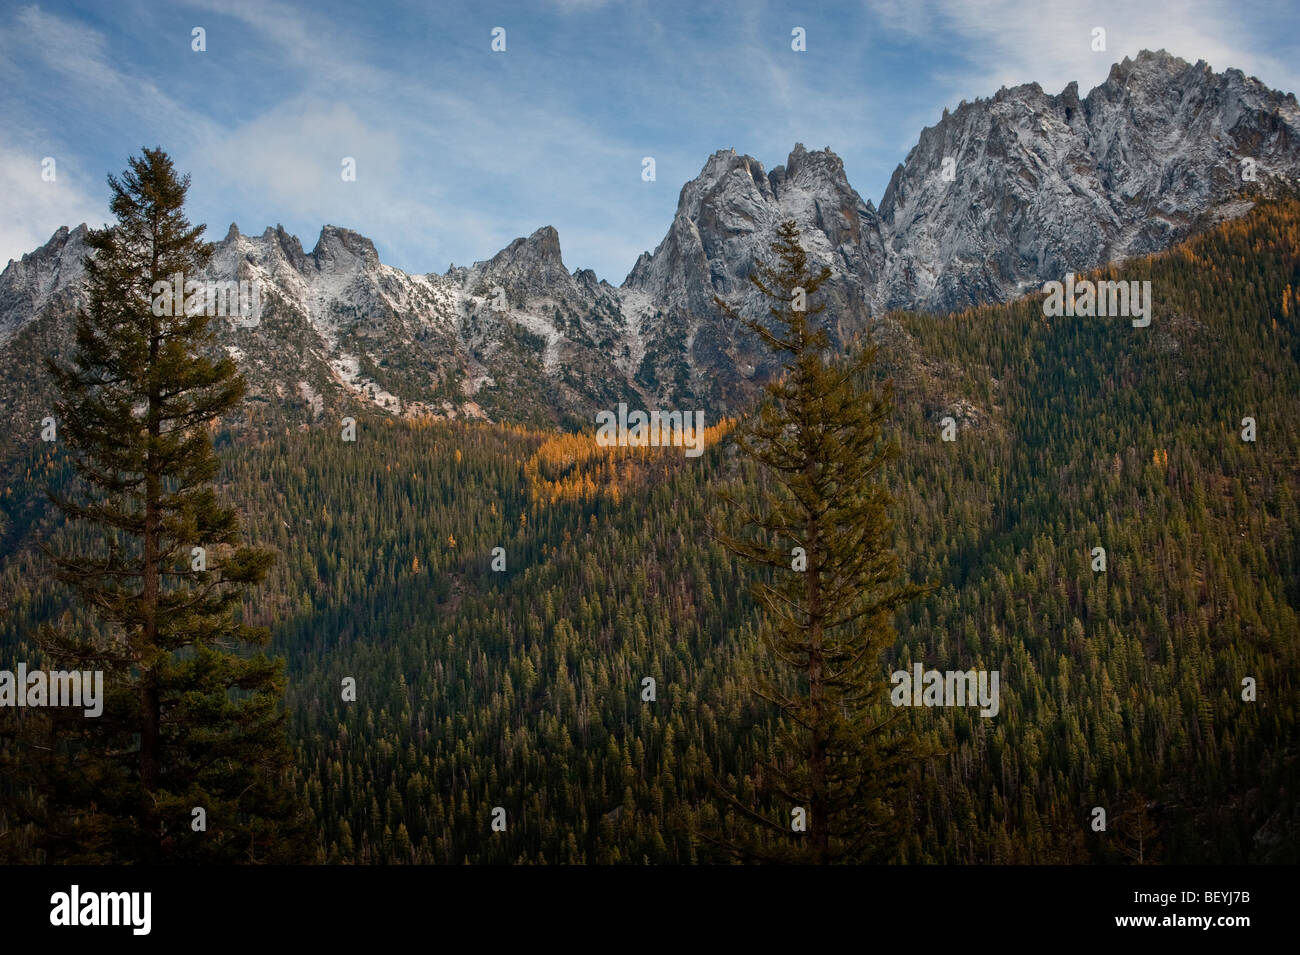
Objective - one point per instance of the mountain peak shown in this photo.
(339, 244)
(540, 248)
(724, 223)
(811, 169)
(1151, 65)
(277, 237)
(56, 242)
(722, 163)
(533, 263)
(28, 284)
(726, 175)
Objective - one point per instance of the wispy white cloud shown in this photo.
(79, 95)
(295, 153)
(445, 166)
(979, 46)
(34, 207)
(994, 43)
(85, 80)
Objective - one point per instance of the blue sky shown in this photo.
(460, 149)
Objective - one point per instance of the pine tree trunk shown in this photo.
(149, 702)
(819, 810)
(148, 685)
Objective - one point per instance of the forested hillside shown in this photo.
(522, 688)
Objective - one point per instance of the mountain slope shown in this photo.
(1048, 184)
(521, 688)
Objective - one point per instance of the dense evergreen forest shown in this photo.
(522, 687)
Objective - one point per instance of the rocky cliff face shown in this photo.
(1034, 185)
(998, 197)
(514, 338)
(50, 275)
(726, 220)
(1039, 184)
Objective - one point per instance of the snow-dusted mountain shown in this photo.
(1037, 186)
(999, 196)
(337, 326)
(1045, 184)
(726, 218)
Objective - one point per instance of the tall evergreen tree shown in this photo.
(190, 723)
(831, 596)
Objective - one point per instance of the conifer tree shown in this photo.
(830, 597)
(190, 722)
